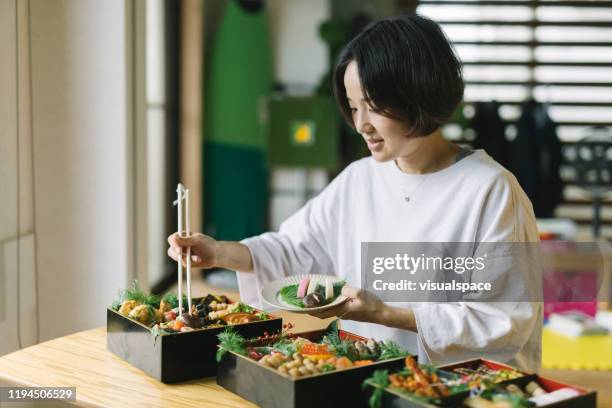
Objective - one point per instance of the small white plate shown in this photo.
(271, 293)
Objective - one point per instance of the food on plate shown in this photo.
(310, 292)
(303, 287)
(314, 300)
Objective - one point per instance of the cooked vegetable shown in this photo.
(165, 306)
(144, 314)
(127, 307)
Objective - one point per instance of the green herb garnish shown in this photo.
(285, 346)
(289, 295)
(136, 294)
(389, 350)
(243, 308)
(172, 300)
(263, 316)
(229, 340)
(342, 348)
(380, 381)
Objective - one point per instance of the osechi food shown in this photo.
(474, 377)
(296, 356)
(433, 386)
(421, 382)
(310, 292)
(162, 314)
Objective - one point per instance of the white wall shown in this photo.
(81, 158)
(300, 56)
(301, 59)
(16, 207)
(81, 163)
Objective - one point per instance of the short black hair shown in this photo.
(408, 71)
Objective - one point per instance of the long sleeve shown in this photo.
(303, 245)
(454, 331)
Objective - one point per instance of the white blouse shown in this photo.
(473, 200)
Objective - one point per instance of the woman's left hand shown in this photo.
(361, 305)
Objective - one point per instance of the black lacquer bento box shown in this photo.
(175, 357)
(585, 399)
(268, 388)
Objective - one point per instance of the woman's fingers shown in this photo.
(172, 253)
(339, 310)
(350, 291)
(177, 242)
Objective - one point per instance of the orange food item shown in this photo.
(343, 362)
(314, 349)
(178, 325)
(238, 318)
(360, 363)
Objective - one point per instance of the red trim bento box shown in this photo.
(268, 388)
(392, 398)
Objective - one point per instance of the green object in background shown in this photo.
(238, 81)
(237, 204)
(303, 132)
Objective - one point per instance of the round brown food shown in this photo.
(314, 300)
(190, 320)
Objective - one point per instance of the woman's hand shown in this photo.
(364, 306)
(361, 305)
(204, 249)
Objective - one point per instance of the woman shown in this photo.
(397, 83)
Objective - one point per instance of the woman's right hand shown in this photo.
(204, 249)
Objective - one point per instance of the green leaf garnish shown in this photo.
(380, 381)
(390, 350)
(229, 340)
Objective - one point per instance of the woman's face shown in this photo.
(387, 138)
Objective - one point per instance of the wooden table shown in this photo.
(103, 380)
